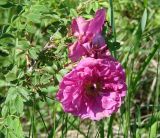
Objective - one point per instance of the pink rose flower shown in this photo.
(94, 89)
(89, 38)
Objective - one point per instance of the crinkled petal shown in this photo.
(97, 23)
(76, 51)
(94, 89)
(79, 26)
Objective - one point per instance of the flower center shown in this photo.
(98, 41)
(93, 89)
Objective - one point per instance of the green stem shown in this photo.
(101, 129)
(43, 121)
(112, 20)
(110, 132)
(113, 24)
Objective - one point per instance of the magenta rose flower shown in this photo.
(94, 89)
(89, 42)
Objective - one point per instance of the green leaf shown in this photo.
(18, 128)
(153, 131)
(39, 8)
(24, 93)
(73, 13)
(6, 35)
(12, 94)
(144, 20)
(113, 46)
(34, 17)
(63, 71)
(87, 16)
(59, 77)
(12, 75)
(138, 135)
(23, 44)
(49, 70)
(14, 101)
(33, 53)
(3, 83)
(19, 104)
(6, 61)
(52, 89)
(7, 5)
(36, 79)
(2, 2)
(45, 78)
(30, 28)
(4, 53)
(4, 110)
(145, 2)
(57, 36)
(19, 9)
(14, 128)
(89, 8)
(95, 6)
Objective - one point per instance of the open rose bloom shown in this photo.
(96, 87)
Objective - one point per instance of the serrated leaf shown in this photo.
(24, 93)
(5, 61)
(12, 75)
(144, 20)
(45, 79)
(35, 80)
(18, 128)
(14, 127)
(33, 53)
(12, 94)
(19, 104)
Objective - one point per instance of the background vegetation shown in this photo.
(33, 59)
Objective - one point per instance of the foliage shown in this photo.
(33, 59)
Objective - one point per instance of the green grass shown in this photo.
(30, 73)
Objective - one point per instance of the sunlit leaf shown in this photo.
(144, 20)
